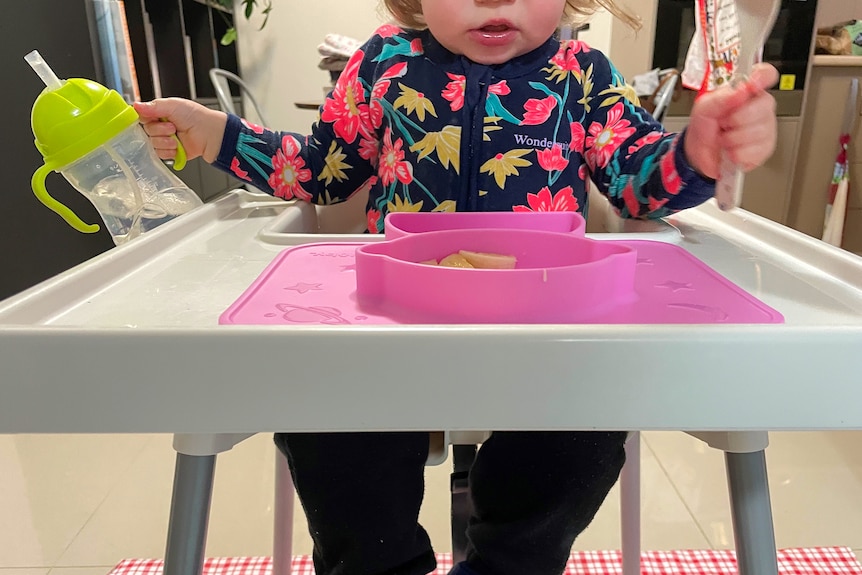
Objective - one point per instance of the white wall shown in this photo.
(280, 61)
(599, 34)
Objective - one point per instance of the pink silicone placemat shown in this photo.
(316, 284)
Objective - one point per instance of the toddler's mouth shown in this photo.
(496, 27)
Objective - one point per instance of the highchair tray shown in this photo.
(129, 342)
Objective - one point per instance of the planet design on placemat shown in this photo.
(310, 314)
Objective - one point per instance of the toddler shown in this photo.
(473, 105)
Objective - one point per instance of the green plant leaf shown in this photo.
(229, 37)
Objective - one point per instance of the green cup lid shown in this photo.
(71, 121)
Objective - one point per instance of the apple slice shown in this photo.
(489, 261)
(455, 261)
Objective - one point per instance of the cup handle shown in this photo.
(181, 158)
(38, 185)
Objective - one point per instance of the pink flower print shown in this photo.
(454, 91)
(565, 57)
(392, 164)
(669, 175)
(289, 171)
(239, 172)
(375, 108)
(551, 159)
(500, 88)
(603, 141)
(650, 138)
(630, 199)
(656, 203)
(578, 137)
(369, 150)
(563, 201)
(253, 127)
(388, 30)
(396, 71)
(345, 107)
(583, 172)
(373, 220)
(538, 111)
(416, 48)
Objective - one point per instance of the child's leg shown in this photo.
(533, 493)
(361, 493)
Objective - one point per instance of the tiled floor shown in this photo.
(77, 505)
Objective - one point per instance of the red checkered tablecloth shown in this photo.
(807, 561)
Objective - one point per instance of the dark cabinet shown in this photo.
(35, 243)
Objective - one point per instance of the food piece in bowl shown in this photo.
(456, 261)
(478, 260)
(488, 261)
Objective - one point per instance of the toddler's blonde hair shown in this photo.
(409, 12)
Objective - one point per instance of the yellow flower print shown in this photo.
(586, 79)
(504, 165)
(413, 100)
(446, 206)
(401, 205)
(490, 128)
(618, 91)
(447, 144)
(334, 165)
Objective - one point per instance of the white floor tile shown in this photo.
(50, 486)
(665, 521)
(815, 486)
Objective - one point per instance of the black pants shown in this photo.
(533, 493)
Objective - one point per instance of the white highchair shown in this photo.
(196, 454)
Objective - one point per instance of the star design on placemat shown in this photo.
(303, 287)
(675, 286)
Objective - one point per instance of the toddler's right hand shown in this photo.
(200, 129)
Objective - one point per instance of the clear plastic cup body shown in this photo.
(129, 185)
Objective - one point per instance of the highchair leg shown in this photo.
(750, 506)
(190, 511)
(753, 530)
(630, 506)
(190, 504)
(282, 533)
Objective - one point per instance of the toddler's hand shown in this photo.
(199, 128)
(740, 121)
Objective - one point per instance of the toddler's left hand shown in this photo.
(740, 121)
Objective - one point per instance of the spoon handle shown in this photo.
(728, 187)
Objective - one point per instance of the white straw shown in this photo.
(43, 70)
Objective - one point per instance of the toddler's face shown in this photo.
(492, 31)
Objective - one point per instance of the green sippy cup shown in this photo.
(92, 137)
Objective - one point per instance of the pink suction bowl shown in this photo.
(558, 277)
(399, 224)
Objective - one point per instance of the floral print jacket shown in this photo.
(423, 129)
